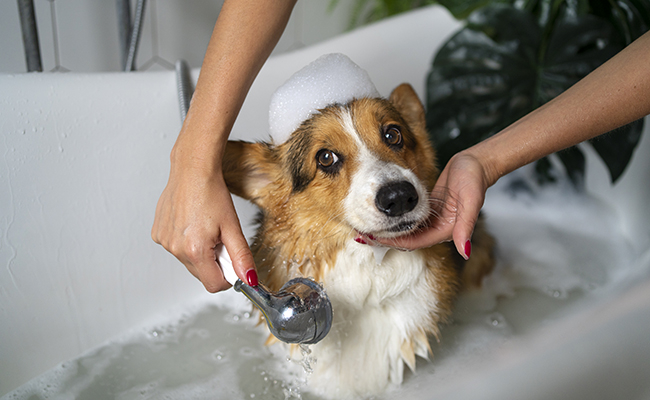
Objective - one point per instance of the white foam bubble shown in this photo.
(330, 79)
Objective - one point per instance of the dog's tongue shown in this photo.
(330, 79)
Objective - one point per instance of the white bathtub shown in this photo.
(85, 157)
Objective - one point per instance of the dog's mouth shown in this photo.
(402, 227)
(399, 229)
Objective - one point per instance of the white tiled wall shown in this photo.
(82, 35)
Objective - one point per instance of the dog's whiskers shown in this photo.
(443, 202)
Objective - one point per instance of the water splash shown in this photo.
(307, 360)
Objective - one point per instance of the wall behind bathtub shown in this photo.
(56, 125)
(82, 35)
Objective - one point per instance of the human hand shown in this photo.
(194, 214)
(456, 201)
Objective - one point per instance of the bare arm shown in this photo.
(611, 96)
(195, 211)
(616, 93)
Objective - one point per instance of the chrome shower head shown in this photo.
(300, 312)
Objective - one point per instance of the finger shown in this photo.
(426, 237)
(240, 253)
(466, 218)
(202, 263)
(196, 256)
(156, 227)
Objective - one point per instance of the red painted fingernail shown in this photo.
(371, 237)
(251, 277)
(359, 239)
(468, 249)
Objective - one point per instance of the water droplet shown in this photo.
(555, 293)
(217, 355)
(497, 320)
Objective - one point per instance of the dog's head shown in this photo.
(366, 166)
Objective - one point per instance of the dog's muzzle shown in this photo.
(396, 198)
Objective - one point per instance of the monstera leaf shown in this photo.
(461, 9)
(508, 61)
(366, 11)
(630, 17)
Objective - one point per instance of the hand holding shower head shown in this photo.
(300, 312)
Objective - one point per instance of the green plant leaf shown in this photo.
(366, 11)
(616, 147)
(482, 79)
(503, 65)
(461, 9)
(544, 172)
(574, 165)
(630, 17)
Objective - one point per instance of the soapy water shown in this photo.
(557, 250)
(208, 351)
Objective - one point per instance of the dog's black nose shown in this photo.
(396, 198)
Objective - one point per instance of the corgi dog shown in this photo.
(364, 167)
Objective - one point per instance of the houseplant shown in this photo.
(511, 57)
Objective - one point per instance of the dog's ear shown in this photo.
(406, 101)
(248, 169)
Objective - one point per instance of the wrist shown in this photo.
(197, 152)
(483, 155)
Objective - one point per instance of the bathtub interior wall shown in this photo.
(82, 36)
(85, 157)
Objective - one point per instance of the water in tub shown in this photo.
(557, 250)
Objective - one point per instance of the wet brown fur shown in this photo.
(302, 226)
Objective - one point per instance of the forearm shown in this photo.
(616, 93)
(243, 38)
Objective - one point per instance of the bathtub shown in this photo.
(85, 157)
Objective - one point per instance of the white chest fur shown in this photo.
(378, 310)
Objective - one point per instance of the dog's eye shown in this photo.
(392, 136)
(326, 158)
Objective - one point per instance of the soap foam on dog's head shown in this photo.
(330, 79)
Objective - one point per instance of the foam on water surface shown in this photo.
(557, 252)
(330, 79)
(206, 351)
